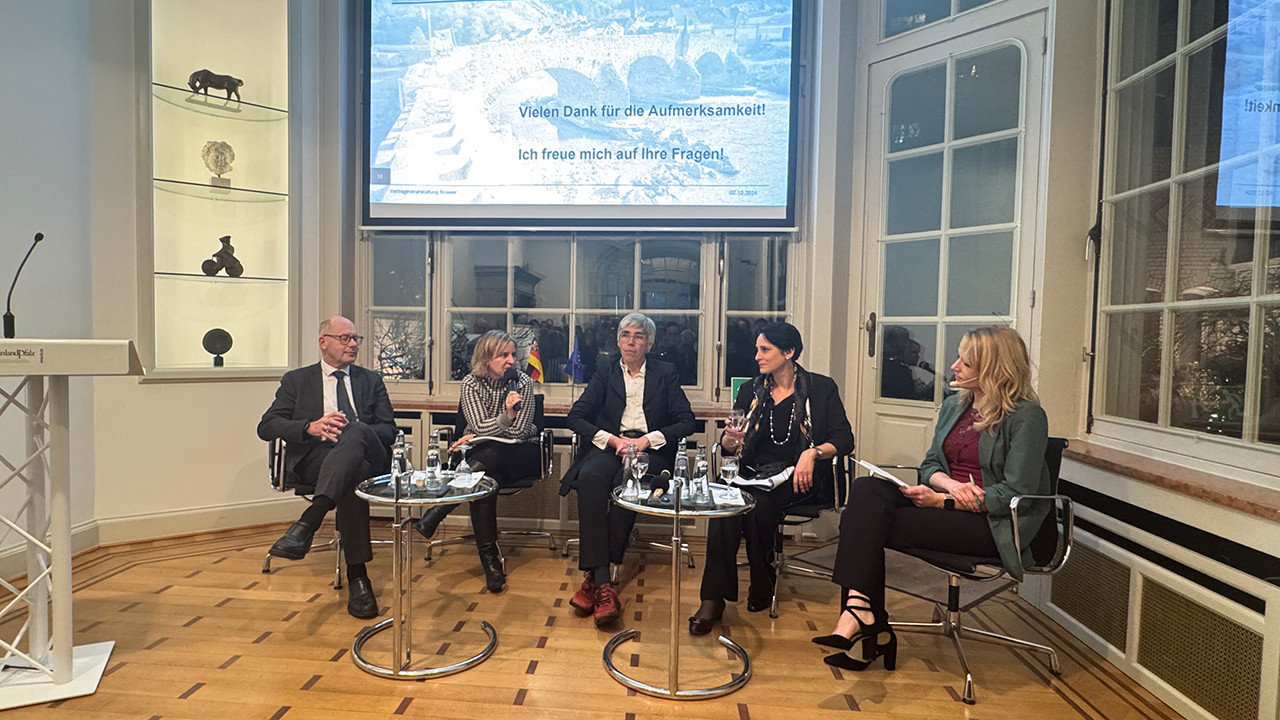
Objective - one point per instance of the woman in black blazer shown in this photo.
(796, 425)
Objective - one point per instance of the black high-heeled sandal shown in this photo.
(871, 649)
(840, 642)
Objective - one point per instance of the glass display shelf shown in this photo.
(217, 106)
(214, 192)
(220, 278)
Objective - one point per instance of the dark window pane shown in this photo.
(398, 344)
(963, 5)
(677, 344)
(988, 92)
(479, 271)
(606, 274)
(757, 274)
(1207, 15)
(669, 274)
(1148, 32)
(917, 108)
(1269, 407)
(1144, 123)
(915, 194)
(399, 271)
(1204, 106)
(1139, 246)
(1133, 366)
(1210, 352)
(984, 187)
(597, 339)
(541, 272)
(911, 278)
(907, 356)
(1215, 256)
(903, 15)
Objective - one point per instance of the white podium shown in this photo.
(51, 667)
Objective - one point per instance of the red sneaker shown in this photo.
(608, 608)
(583, 601)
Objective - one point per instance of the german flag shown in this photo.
(535, 363)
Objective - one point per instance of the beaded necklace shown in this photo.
(790, 424)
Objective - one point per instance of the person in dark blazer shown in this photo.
(631, 401)
(988, 446)
(795, 428)
(337, 423)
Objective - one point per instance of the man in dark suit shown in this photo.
(627, 402)
(338, 423)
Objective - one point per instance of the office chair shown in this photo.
(524, 482)
(1050, 548)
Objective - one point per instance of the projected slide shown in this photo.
(1251, 106)
(611, 112)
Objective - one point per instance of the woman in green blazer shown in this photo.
(988, 446)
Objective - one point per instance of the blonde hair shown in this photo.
(487, 347)
(999, 359)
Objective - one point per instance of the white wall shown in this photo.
(45, 187)
(149, 459)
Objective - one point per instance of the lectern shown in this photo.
(48, 666)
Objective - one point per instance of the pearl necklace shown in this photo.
(790, 424)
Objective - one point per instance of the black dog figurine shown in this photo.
(202, 80)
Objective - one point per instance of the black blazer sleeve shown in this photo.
(290, 412)
(830, 423)
(585, 413)
(375, 406)
(673, 416)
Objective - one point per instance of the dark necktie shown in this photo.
(344, 401)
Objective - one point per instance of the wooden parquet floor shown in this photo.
(201, 633)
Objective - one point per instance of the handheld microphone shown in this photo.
(512, 376)
(660, 485)
(8, 307)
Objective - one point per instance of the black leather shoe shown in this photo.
(706, 618)
(431, 519)
(295, 542)
(759, 605)
(360, 600)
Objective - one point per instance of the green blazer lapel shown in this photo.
(987, 452)
(948, 421)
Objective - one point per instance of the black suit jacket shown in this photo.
(666, 409)
(300, 400)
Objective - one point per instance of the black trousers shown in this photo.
(336, 470)
(878, 516)
(505, 464)
(760, 529)
(604, 528)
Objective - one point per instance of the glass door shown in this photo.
(953, 148)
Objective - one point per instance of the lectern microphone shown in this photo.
(8, 306)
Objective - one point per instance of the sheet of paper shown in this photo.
(727, 496)
(466, 481)
(883, 475)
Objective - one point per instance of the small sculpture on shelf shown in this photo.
(217, 342)
(224, 259)
(202, 80)
(218, 156)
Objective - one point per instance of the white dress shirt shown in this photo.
(331, 389)
(633, 414)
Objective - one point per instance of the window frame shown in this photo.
(1245, 457)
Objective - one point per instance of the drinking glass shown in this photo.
(630, 491)
(737, 421)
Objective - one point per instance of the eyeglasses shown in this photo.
(628, 335)
(346, 339)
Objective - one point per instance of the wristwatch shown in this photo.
(817, 452)
(948, 502)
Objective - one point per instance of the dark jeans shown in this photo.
(336, 470)
(878, 516)
(760, 528)
(604, 528)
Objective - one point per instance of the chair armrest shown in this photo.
(275, 464)
(546, 451)
(844, 474)
(1061, 504)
